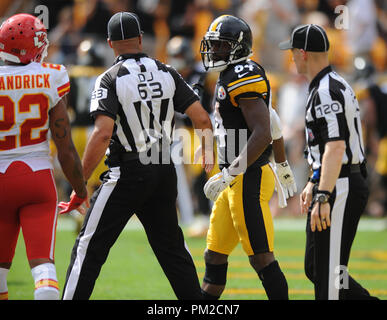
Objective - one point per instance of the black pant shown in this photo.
(149, 191)
(327, 252)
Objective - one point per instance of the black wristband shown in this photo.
(324, 192)
(311, 179)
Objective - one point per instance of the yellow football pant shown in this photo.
(241, 213)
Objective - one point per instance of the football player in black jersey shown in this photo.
(245, 185)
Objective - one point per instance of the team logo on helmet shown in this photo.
(40, 38)
(218, 27)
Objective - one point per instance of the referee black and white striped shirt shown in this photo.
(141, 94)
(332, 113)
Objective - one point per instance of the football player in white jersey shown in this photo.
(32, 101)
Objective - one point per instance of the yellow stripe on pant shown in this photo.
(242, 214)
(381, 162)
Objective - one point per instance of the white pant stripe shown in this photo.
(53, 232)
(337, 217)
(91, 226)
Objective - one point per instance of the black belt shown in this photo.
(120, 159)
(129, 156)
(117, 160)
(348, 169)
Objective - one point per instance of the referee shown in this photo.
(133, 105)
(336, 193)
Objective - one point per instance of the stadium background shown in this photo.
(77, 35)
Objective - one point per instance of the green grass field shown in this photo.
(132, 271)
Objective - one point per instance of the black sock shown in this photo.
(274, 282)
(207, 296)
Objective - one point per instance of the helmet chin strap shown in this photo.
(218, 65)
(9, 57)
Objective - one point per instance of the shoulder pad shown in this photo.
(244, 78)
(242, 70)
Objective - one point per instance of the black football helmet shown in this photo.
(227, 41)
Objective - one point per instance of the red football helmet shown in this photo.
(23, 39)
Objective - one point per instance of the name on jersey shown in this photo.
(27, 81)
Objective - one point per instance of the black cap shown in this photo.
(310, 37)
(123, 25)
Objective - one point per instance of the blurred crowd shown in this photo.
(173, 29)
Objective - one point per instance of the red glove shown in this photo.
(74, 203)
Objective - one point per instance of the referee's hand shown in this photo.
(320, 216)
(306, 197)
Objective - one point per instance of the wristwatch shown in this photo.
(322, 196)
